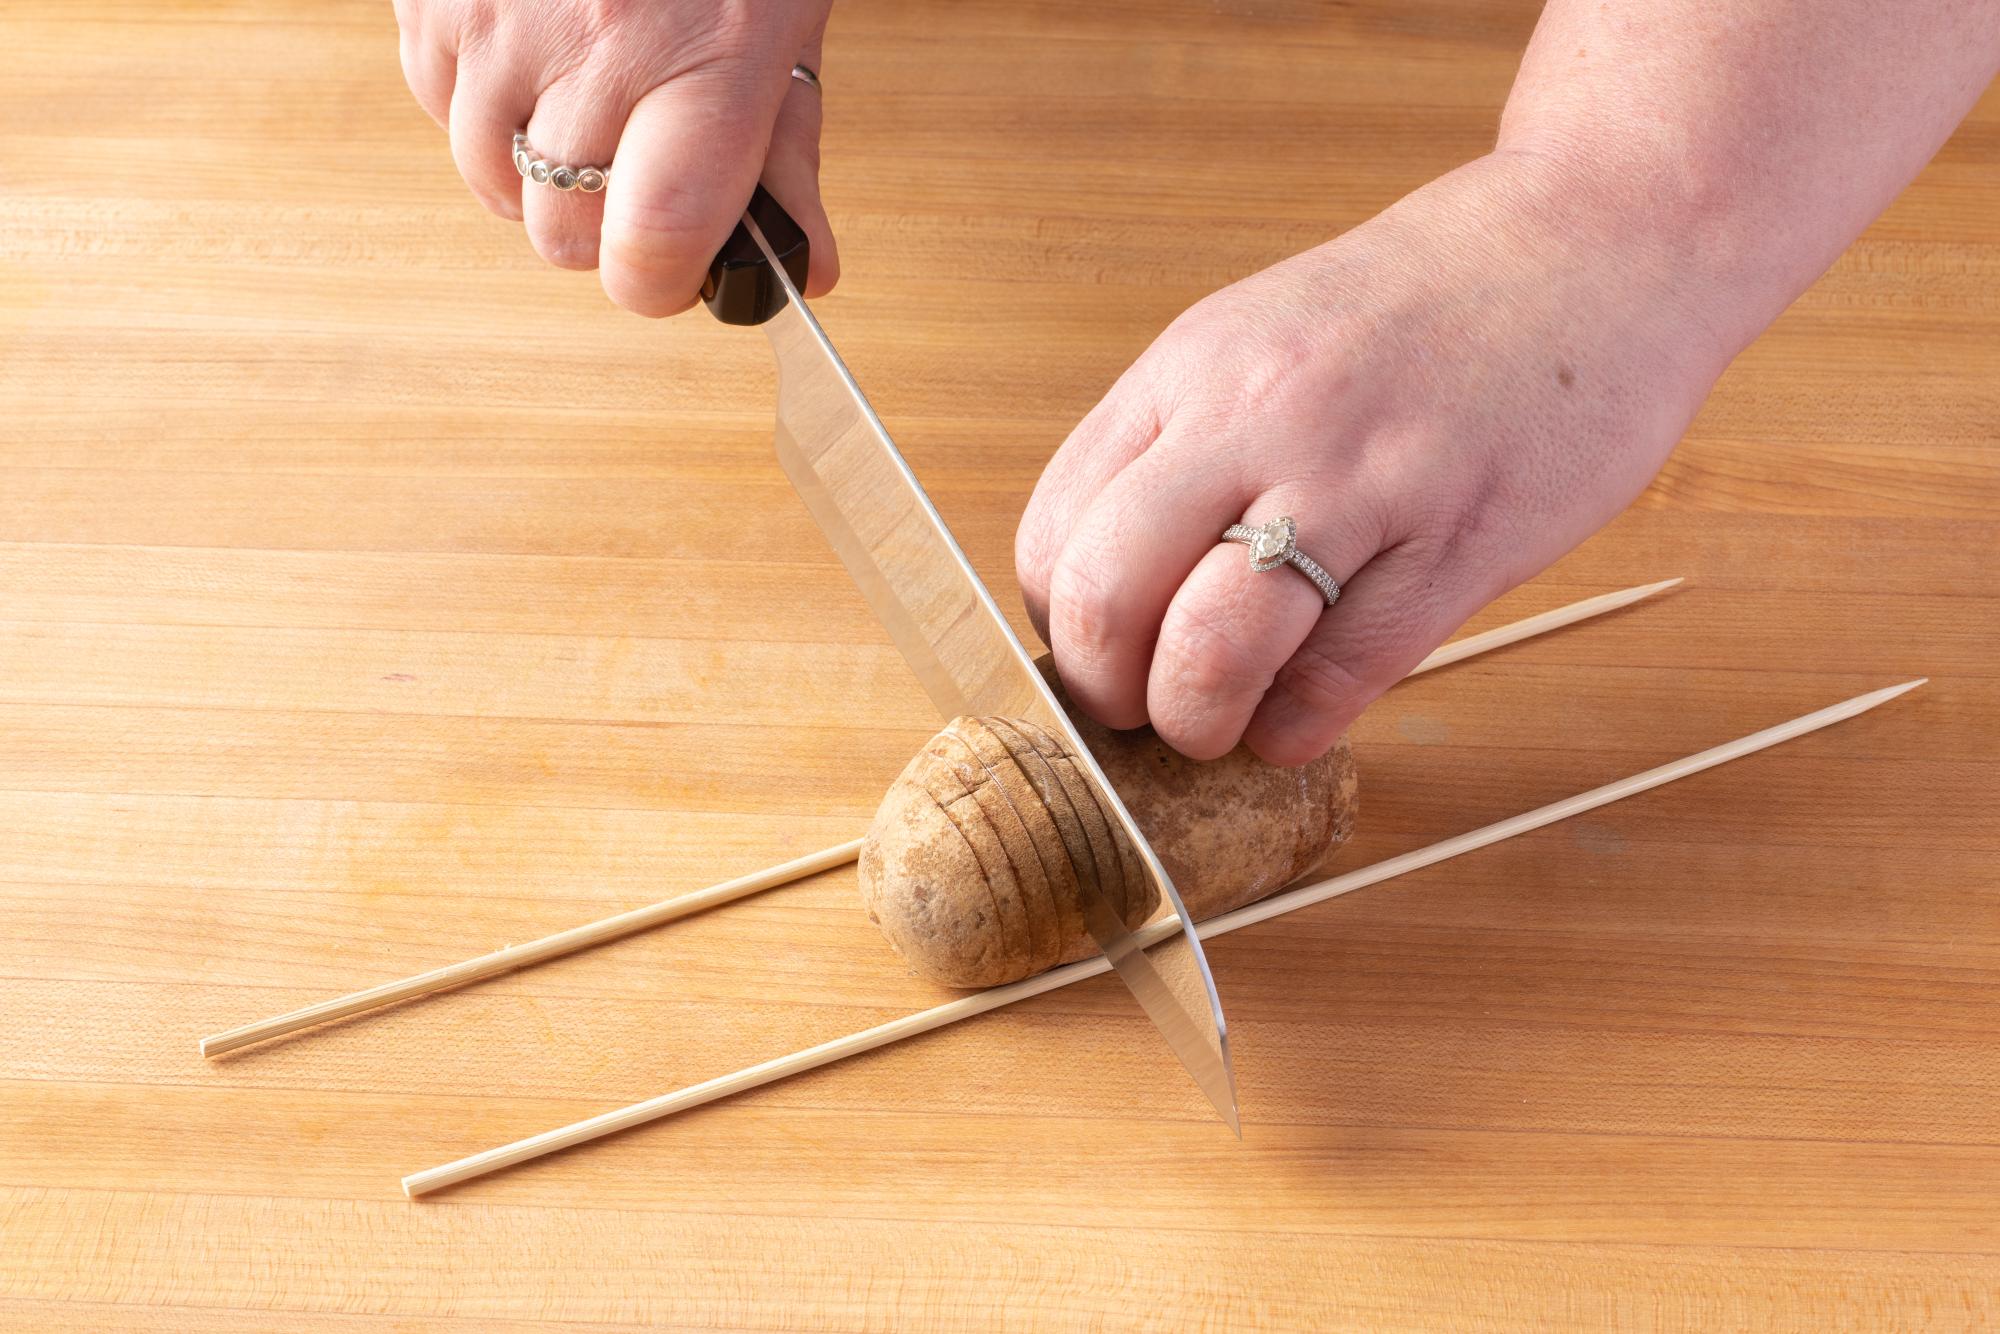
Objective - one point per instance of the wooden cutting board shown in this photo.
(370, 600)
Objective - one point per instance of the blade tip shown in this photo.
(1227, 1104)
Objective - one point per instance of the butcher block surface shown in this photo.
(373, 595)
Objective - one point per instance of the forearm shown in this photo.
(1746, 143)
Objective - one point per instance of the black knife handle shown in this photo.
(740, 288)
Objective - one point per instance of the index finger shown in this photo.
(686, 166)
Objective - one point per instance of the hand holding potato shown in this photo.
(1446, 399)
(1453, 394)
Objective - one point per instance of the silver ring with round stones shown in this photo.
(1277, 543)
(561, 176)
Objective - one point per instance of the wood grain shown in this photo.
(359, 611)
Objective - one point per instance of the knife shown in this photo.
(915, 576)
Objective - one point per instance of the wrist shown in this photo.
(1618, 277)
(1686, 228)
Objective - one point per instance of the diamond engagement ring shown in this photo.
(541, 171)
(1277, 543)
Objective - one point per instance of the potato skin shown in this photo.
(972, 868)
(974, 862)
(925, 880)
(1231, 830)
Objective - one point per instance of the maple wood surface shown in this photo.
(372, 595)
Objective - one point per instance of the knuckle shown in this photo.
(602, 14)
(659, 233)
(567, 249)
(1205, 688)
(497, 193)
(490, 189)
(1322, 684)
(426, 90)
(641, 298)
(1199, 733)
(739, 28)
(1289, 749)
(718, 35)
(1104, 678)
(477, 23)
(1207, 662)
(1081, 605)
(1032, 557)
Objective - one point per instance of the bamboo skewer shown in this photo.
(951, 1012)
(535, 951)
(639, 919)
(1500, 636)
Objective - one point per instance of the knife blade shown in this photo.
(915, 576)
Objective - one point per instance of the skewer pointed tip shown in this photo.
(1877, 698)
(1500, 636)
